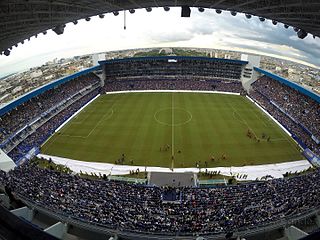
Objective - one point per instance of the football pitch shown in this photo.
(173, 130)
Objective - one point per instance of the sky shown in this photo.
(164, 29)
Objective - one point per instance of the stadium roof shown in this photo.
(173, 58)
(22, 19)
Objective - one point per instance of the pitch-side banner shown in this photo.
(312, 158)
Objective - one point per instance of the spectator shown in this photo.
(295, 111)
(140, 208)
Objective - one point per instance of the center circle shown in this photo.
(173, 116)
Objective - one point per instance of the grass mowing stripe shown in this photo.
(134, 131)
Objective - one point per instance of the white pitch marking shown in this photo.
(97, 124)
(101, 121)
(172, 128)
(176, 124)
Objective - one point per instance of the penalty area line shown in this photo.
(243, 121)
(105, 116)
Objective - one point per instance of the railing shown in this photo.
(37, 118)
(212, 182)
(47, 119)
(115, 229)
(171, 77)
(127, 179)
(305, 129)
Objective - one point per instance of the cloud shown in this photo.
(159, 29)
(163, 37)
(279, 38)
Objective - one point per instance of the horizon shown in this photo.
(131, 49)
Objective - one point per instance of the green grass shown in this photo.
(205, 125)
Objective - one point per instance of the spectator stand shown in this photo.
(38, 113)
(24, 98)
(296, 108)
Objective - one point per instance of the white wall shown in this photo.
(6, 163)
(254, 61)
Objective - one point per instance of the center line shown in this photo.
(172, 124)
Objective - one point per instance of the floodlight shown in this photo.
(6, 52)
(233, 13)
(59, 29)
(302, 34)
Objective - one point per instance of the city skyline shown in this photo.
(165, 29)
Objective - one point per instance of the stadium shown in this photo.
(161, 147)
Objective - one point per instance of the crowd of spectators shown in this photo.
(173, 67)
(173, 74)
(140, 208)
(46, 130)
(190, 84)
(23, 114)
(302, 108)
(295, 111)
